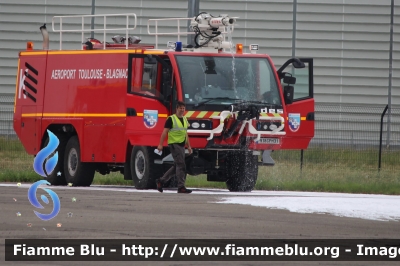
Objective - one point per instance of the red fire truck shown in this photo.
(107, 103)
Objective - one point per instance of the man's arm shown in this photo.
(163, 135)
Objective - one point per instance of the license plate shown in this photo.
(268, 141)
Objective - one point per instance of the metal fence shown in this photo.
(356, 127)
(343, 135)
(351, 136)
(6, 117)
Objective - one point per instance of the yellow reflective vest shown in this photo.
(177, 134)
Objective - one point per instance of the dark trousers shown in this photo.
(179, 167)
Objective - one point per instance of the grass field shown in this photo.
(329, 170)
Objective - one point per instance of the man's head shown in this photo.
(180, 108)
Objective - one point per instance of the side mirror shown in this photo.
(298, 64)
(289, 80)
(288, 92)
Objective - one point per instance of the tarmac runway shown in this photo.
(116, 212)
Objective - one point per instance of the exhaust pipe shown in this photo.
(45, 34)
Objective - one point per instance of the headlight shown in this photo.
(267, 125)
(200, 124)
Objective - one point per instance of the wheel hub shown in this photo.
(72, 162)
(140, 164)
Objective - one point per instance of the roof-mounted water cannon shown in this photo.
(208, 30)
(208, 20)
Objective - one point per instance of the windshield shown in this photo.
(224, 80)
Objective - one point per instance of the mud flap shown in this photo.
(267, 159)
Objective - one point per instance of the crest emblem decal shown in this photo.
(150, 118)
(294, 122)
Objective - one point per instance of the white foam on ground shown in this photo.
(370, 207)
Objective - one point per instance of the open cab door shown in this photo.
(297, 81)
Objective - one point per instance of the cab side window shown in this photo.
(145, 77)
(149, 78)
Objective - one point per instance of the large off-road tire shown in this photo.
(57, 177)
(242, 171)
(76, 172)
(143, 169)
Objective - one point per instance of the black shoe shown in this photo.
(184, 190)
(159, 185)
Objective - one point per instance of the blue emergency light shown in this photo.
(178, 46)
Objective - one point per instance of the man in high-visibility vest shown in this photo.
(176, 129)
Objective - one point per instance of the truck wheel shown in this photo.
(242, 170)
(57, 177)
(76, 172)
(143, 169)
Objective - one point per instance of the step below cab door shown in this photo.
(298, 90)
